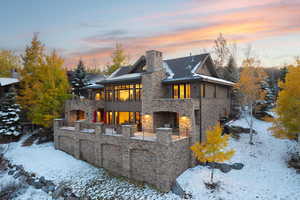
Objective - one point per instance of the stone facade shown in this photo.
(156, 161)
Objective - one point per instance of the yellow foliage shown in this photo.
(287, 125)
(213, 150)
(44, 85)
(250, 83)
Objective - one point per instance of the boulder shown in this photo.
(37, 184)
(225, 168)
(58, 192)
(48, 189)
(237, 166)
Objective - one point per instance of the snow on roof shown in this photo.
(168, 70)
(8, 81)
(125, 76)
(114, 73)
(214, 79)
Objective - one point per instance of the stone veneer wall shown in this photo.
(157, 162)
(213, 108)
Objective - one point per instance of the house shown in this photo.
(6, 83)
(141, 120)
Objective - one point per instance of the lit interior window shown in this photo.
(97, 96)
(123, 117)
(175, 91)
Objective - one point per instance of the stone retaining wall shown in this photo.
(157, 162)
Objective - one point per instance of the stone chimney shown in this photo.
(154, 60)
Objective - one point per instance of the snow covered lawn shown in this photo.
(264, 176)
(55, 165)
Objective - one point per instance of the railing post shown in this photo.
(128, 130)
(99, 128)
(164, 135)
(77, 126)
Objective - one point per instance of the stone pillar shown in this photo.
(77, 126)
(126, 162)
(56, 124)
(164, 136)
(128, 130)
(99, 129)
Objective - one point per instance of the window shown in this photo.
(123, 92)
(109, 117)
(202, 88)
(97, 96)
(181, 91)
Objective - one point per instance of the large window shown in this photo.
(123, 92)
(181, 91)
(99, 95)
(123, 118)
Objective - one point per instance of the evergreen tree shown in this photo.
(283, 71)
(79, 78)
(213, 149)
(231, 72)
(9, 114)
(118, 59)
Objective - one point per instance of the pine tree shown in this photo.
(231, 72)
(287, 124)
(10, 114)
(283, 72)
(213, 149)
(250, 88)
(8, 62)
(118, 59)
(79, 79)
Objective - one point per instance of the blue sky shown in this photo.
(90, 29)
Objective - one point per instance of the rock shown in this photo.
(11, 172)
(237, 166)
(58, 192)
(225, 168)
(17, 175)
(177, 189)
(37, 184)
(30, 180)
(48, 189)
(42, 180)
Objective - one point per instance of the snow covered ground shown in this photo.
(265, 175)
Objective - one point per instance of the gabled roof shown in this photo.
(8, 81)
(183, 67)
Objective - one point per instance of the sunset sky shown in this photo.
(89, 29)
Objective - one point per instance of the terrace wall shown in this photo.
(157, 161)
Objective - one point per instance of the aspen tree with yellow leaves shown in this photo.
(249, 85)
(287, 124)
(44, 85)
(213, 149)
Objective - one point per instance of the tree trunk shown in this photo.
(212, 175)
(299, 144)
(251, 125)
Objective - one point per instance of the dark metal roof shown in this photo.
(123, 70)
(182, 67)
(94, 86)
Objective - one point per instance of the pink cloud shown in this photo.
(245, 22)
